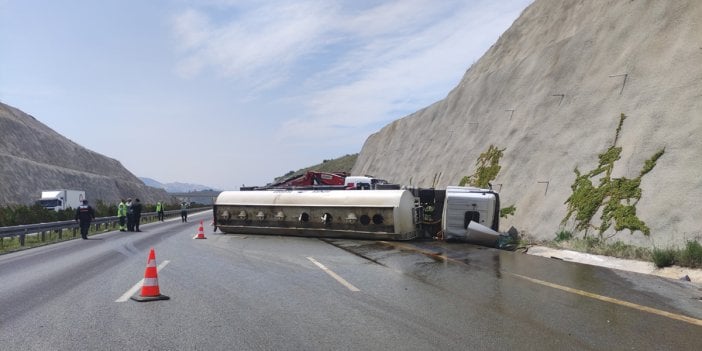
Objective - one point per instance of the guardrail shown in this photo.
(41, 229)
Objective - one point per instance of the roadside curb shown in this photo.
(674, 272)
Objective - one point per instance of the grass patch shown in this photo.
(663, 257)
(691, 255)
(564, 235)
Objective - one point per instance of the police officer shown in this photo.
(84, 214)
(136, 209)
(159, 210)
(183, 212)
(122, 215)
(130, 215)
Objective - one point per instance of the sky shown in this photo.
(231, 92)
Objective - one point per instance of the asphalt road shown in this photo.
(248, 292)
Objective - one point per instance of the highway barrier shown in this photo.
(65, 229)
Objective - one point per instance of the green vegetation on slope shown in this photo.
(488, 166)
(619, 196)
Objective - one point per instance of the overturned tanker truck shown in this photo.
(389, 213)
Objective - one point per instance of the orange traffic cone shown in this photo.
(200, 232)
(149, 289)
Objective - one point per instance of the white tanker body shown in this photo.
(367, 214)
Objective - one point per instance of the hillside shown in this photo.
(34, 158)
(340, 164)
(549, 97)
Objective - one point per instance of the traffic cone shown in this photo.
(200, 232)
(149, 289)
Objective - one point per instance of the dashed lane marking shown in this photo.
(334, 275)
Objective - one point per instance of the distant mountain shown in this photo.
(175, 187)
(34, 157)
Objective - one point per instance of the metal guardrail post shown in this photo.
(22, 236)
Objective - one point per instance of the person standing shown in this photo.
(136, 207)
(84, 214)
(130, 215)
(122, 215)
(159, 211)
(183, 212)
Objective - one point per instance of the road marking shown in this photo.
(675, 316)
(652, 310)
(138, 285)
(334, 275)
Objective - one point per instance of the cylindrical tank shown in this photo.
(375, 214)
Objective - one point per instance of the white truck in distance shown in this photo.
(58, 200)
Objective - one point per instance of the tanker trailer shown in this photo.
(367, 214)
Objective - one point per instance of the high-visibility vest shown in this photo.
(121, 210)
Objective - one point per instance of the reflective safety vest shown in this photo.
(121, 210)
(159, 207)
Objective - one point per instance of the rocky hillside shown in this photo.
(36, 158)
(593, 110)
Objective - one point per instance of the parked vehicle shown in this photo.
(57, 200)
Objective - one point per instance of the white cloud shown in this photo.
(399, 72)
(259, 45)
(360, 65)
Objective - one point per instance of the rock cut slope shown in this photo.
(34, 158)
(550, 93)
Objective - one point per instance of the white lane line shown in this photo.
(137, 286)
(334, 275)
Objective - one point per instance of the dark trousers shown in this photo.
(137, 220)
(130, 222)
(160, 216)
(84, 226)
(183, 216)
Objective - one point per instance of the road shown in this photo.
(248, 292)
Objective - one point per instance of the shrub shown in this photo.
(564, 235)
(691, 256)
(663, 257)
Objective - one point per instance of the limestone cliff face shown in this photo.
(550, 92)
(36, 158)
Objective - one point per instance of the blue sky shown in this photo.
(232, 92)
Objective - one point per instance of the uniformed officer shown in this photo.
(183, 212)
(159, 210)
(84, 214)
(122, 215)
(130, 215)
(136, 210)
